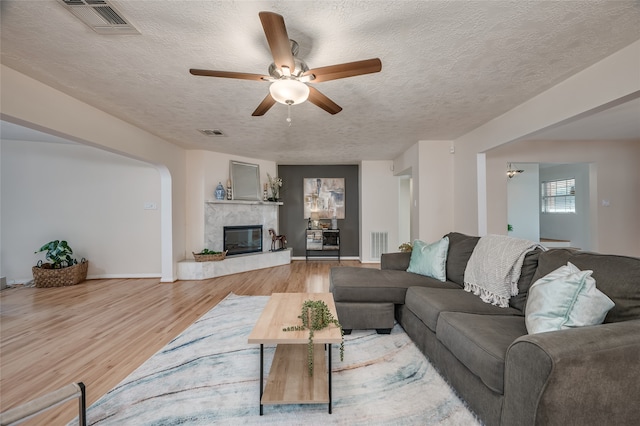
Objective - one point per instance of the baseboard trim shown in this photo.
(116, 276)
(325, 258)
(27, 281)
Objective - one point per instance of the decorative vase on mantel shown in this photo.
(220, 192)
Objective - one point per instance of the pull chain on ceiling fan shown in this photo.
(288, 74)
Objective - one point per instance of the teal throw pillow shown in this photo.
(430, 259)
(565, 298)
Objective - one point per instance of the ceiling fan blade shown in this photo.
(276, 33)
(228, 74)
(264, 106)
(350, 69)
(318, 99)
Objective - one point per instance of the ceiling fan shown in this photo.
(511, 172)
(289, 74)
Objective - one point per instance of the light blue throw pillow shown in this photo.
(565, 298)
(430, 259)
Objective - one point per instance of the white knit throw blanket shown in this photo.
(494, 268)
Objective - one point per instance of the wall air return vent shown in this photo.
(379, 244)
(101, 15)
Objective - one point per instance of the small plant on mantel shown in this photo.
(315, 316)
(275, 183)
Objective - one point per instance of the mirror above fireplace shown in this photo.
(245, 181)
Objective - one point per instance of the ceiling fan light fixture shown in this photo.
(511, 172)
(289, 91)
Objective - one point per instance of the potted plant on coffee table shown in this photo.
(316, 316)
(62, 269)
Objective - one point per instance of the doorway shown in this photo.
(553, 228)
(405, 183)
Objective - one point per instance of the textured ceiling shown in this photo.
(447, 67)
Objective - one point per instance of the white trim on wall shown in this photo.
(481, 160)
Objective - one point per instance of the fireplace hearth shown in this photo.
(242, 239)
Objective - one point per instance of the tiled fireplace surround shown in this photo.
(219, 214)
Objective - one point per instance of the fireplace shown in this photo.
(243, 239)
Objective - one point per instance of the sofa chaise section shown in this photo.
(366, 298)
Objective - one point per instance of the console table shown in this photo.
(323, 240)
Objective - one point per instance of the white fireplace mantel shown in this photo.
(266, 203)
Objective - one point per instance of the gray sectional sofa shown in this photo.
(578, 376)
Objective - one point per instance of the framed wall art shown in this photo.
(324, 198)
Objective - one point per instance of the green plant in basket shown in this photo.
(316, 316)
(207, 251)
(58, 253)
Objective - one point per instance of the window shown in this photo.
(559, 196)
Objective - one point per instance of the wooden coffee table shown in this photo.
(289, 381)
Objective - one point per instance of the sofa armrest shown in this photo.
(587, 375)
(398, 261)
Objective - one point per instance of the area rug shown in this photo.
(209, 375)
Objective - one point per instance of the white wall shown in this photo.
(28, 102)
(404, 209)
(430, 165)
(523, 198)
(82, 195)
(379, 211)
(408, 164)
(436, 189)
(204, 170)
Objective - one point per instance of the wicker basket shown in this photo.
(72, 275)
(209, 257)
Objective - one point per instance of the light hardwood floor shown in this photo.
(99, 331)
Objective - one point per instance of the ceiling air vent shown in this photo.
(100, 15)
(212, 132)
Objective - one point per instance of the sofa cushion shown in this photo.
(551, 260)
(398, 260)
(616, 276)
(565, 298)
(525, 281)
(460, 248)
(365, 316)
(428, 303)
(430, 259)
(480, 342)
(368, 285)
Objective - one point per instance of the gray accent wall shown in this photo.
(291, 218)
